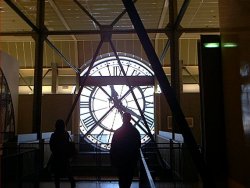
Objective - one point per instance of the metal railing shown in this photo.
(177, 159)
(146, 180)
(19, 167)
(92, 159)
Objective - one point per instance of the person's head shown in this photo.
(126, 117)
(60, 125)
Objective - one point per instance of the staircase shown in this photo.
(159, 169)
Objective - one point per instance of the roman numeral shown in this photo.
(84, 104)
(89, 121)
(149, 104)
(149, 120)
(116, 71)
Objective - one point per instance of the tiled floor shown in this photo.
(87, 184)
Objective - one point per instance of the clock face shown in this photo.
(101, 106)
(7, 120)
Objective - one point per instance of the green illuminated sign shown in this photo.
(230, 45)
(212, 45)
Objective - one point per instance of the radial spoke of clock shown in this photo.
(117, 103)
(140, 123)
(141, 127)
(114, 120)
(109, 139)
(96, 110)
(132, 92)
(99, 121)
(127, 69)
(133, 108)
(144, 88)
(94, 97)
(109, 70)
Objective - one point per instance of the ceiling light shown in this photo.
(1, 9)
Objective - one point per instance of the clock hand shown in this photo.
(118, 104)
(117, 101)
(114, 96)
(126, 109)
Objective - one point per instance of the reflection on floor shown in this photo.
(114, 184)
(88, 184)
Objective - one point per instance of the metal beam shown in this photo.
(38, 74)
(22, 15)
(118, 80)
(174, 50)
(181, 13)
(54, 79)
(87, 12)
(164, 52)
(161, 21)
(120, 16)
(60, 16)
(85, 76)
(114, 31)
(62, 56)
(168, 93)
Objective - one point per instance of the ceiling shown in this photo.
(65, 15)
(71, 21)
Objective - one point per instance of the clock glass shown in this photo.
(101, 105)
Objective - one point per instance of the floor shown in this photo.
(88, 184)
(114, 184)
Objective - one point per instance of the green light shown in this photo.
(212, 45)
(230, 45)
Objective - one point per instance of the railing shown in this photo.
(146, 180)
(181, 169)
(92, 159)
(19, 167)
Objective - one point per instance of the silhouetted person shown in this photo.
(59, 142)
(125, 151)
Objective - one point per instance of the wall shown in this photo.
(53, 107)
(190, 105)
(235, 27)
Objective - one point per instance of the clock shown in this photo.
(7, 119)
(107, 94)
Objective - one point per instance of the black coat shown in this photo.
(125, 146)
(59, 142)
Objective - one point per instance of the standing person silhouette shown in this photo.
(59, 142)
(125, 151)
